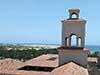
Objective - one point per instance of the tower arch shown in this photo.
(74, 15)
(73, 27)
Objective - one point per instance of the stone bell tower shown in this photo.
(73, 26)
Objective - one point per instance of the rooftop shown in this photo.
(48, 60)
(10, 64)
(21, 72)
(70, 68)
(74, 10)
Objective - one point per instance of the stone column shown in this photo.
(66, 41)
(69, 41)
(77, 42)
(82, 41)
(63, 42)
(63, 39)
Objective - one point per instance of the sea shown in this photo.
(93, 48)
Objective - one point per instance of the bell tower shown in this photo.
(73, 27)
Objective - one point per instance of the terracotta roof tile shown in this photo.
(70, 68)
(22, 72)
(10, 64)
(49, 60)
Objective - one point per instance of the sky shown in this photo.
(39, 21)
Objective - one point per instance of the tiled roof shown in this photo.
(10, 64)
(74, 9)
(70, 68)
(22, 72)
(48, 60)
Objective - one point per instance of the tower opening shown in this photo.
(74, 16)
(73, 40)
(74, 13)
(79, 42)
(66, 41)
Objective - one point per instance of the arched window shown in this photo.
(73, 40)
(66, 41)
(74, 15)
(79, 42)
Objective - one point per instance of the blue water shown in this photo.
(93, 48)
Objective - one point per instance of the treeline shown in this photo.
(31, 53)
(93, 54)
(25, 54)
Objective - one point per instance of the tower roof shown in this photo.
(74, 16)
(74, 13)
(74, 10)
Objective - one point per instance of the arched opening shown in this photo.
(73, 40)
(74, 15)
(66, 41)
(79, 42)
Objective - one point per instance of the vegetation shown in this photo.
(93, 54)
(24, 54)
(15, 52)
